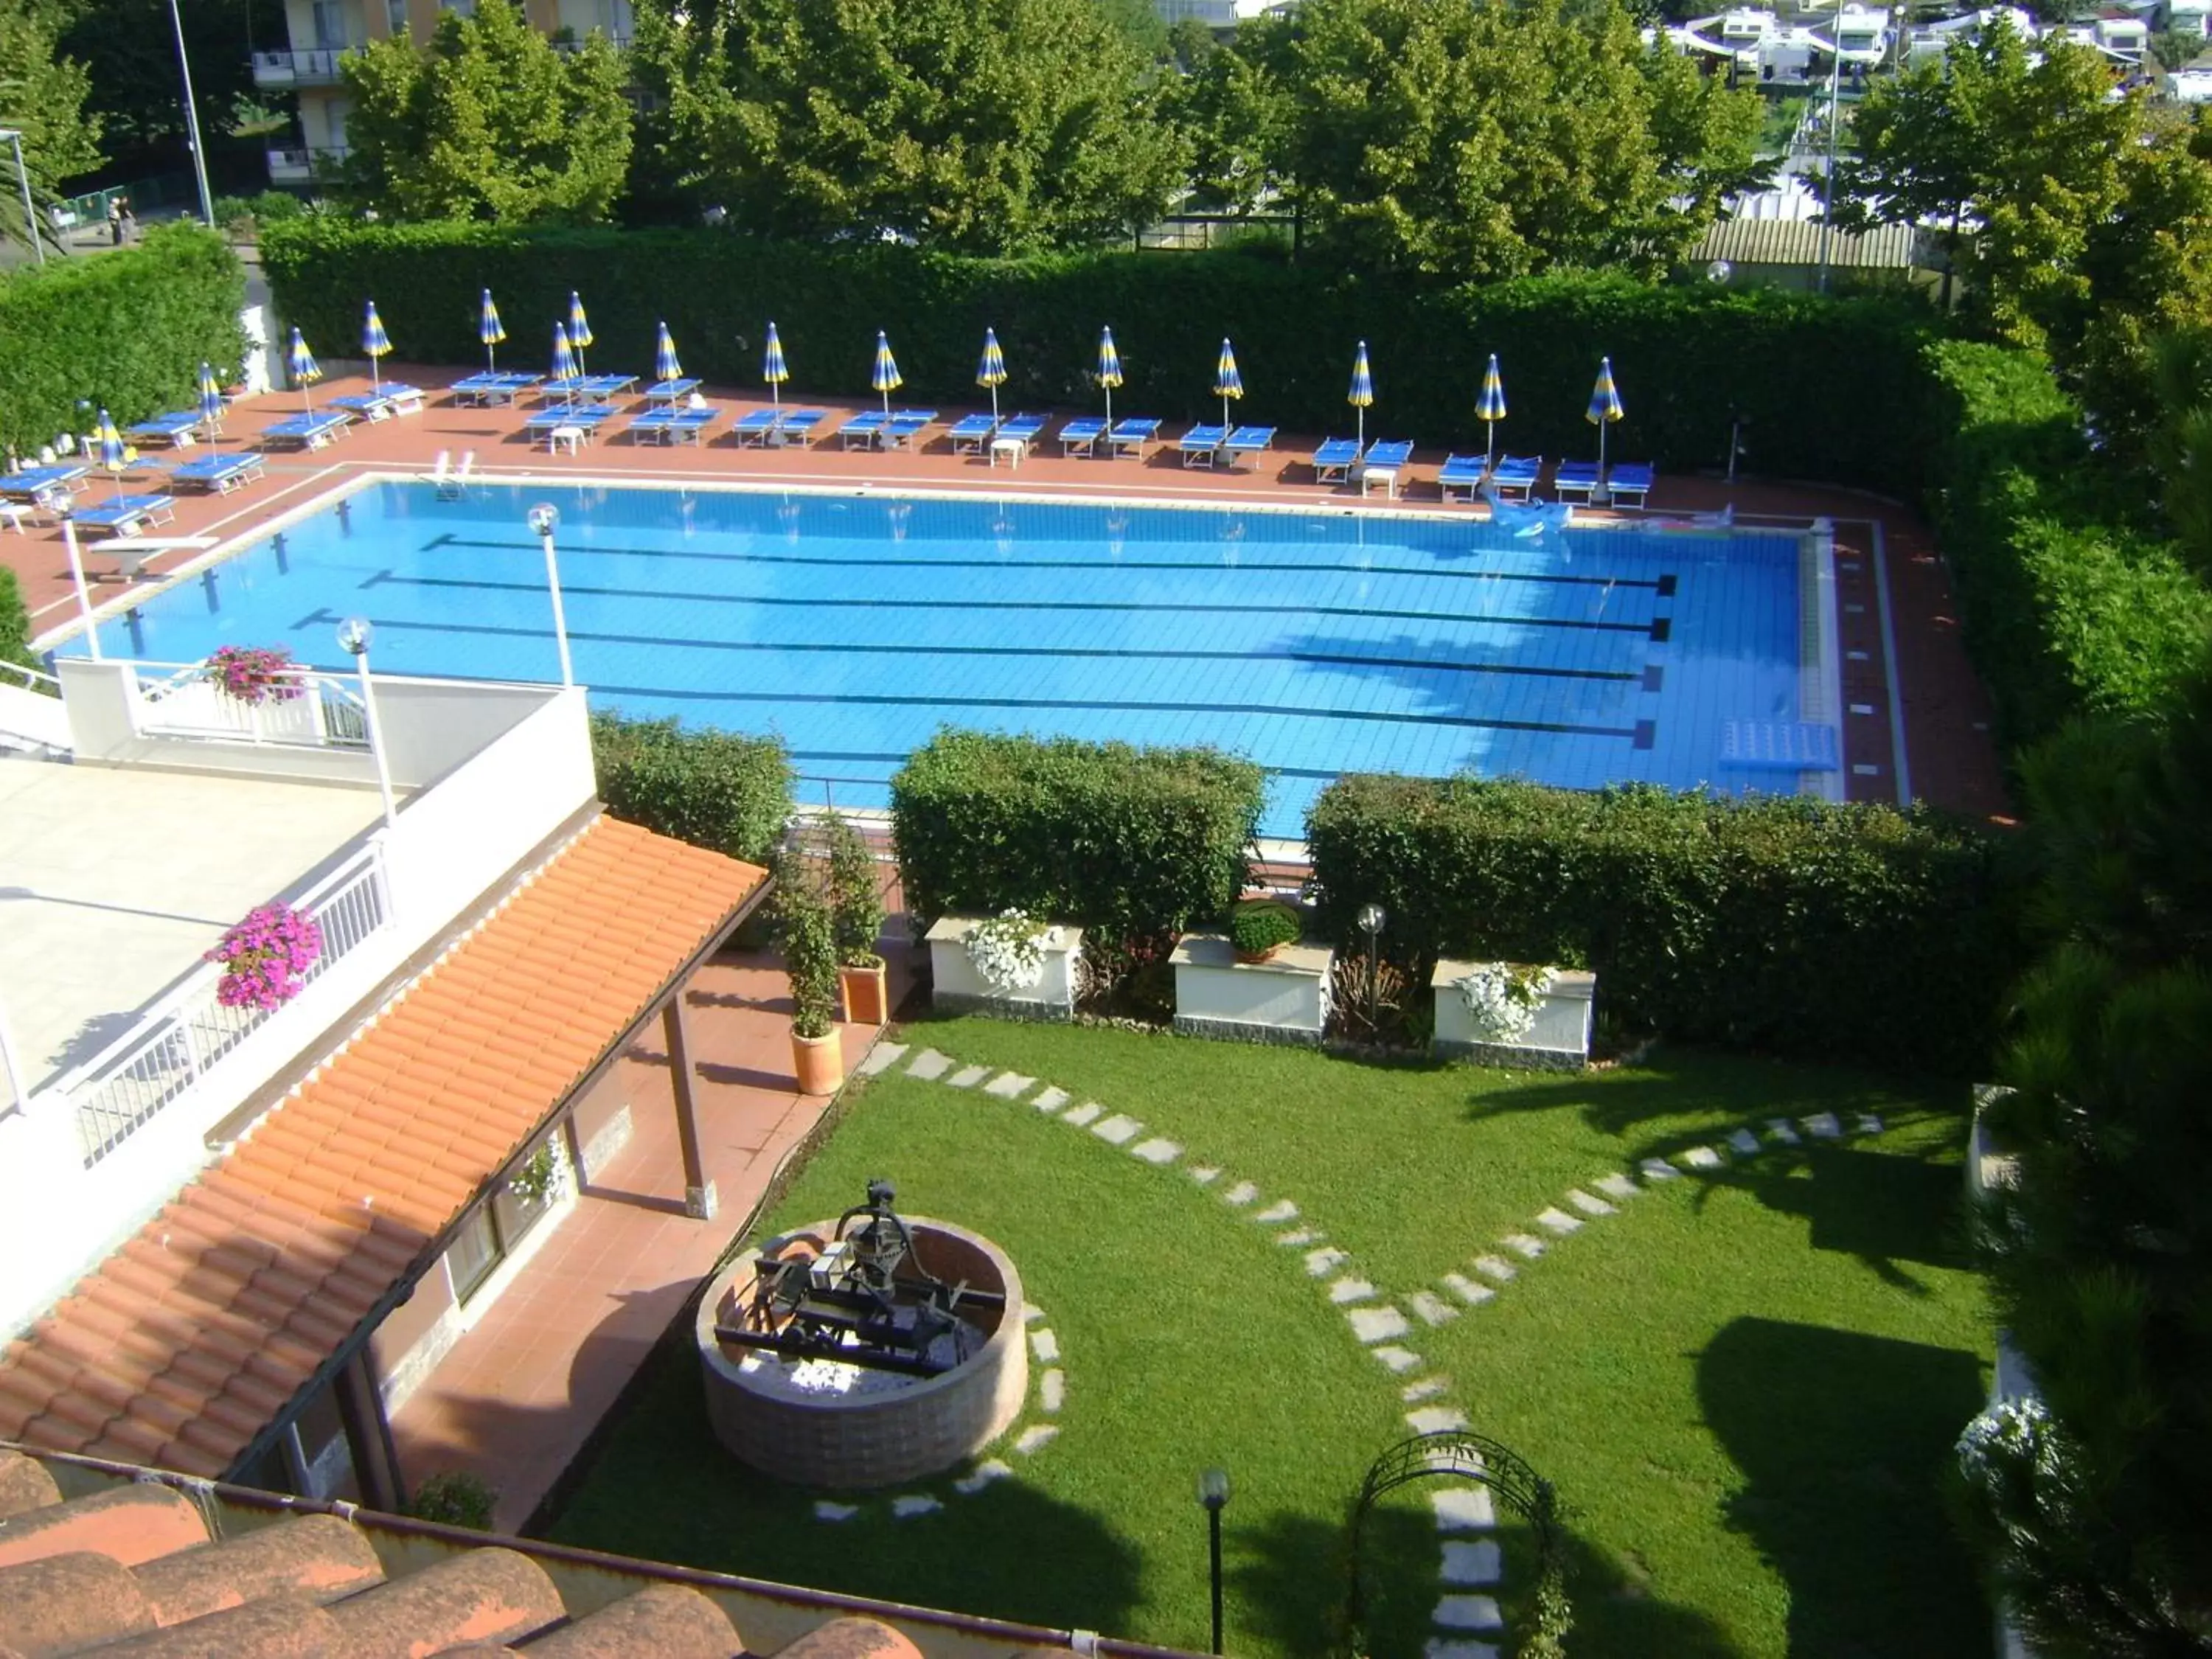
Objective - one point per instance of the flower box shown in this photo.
(957, 985)
(1282, 999)
(1559, 1039)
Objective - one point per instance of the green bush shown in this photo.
(1257, 926)
(14, 627)
(805, 932)
(1129, 841)
(713, 788)
(1855, 933)
(856, 895)
(455, 1498)
(244, 214)
(1688, 357)
(126, 332)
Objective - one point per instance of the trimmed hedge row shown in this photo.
(1128, 841)
(715, 789)
(1855, 933)
(2068, 605)
(1687, 358)
(126, 332)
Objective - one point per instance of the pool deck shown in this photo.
(1905, 676)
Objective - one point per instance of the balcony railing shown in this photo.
(321, 711)
(295, 162)
(317, 67)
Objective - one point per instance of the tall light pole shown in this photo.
(1214, 1498)
(1371, 918)
(15, 136)
(1828, 174)
(544, 519)
(353, 635)
(76, 576)
(192, 117)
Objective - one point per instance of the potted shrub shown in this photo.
(265, 958)
(1007, 950)
(809, 959)
(255, 674)
(1258, 927)
(856, 919)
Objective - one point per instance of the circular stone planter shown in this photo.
(858, 1440)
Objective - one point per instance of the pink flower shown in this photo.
(256, 673)
(266, 956)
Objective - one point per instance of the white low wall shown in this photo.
(1559, 1039)
(1282, 999)
(957, 985)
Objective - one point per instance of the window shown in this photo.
(395, 12)
(474, 1253)
(330, 25)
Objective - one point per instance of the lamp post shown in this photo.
(83, 594)
(15, 138)
(192, 117)
(1214, 1497)
(544, 519)
(1371, 918)
(354, 635)
(1828, 173)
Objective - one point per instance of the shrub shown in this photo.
(242, 215)
(1839, 932)
(805, 934)
(856, 895)
(14, 627)
(455, 1498)
(715, 789)
(1259, 928)
(1128, 840)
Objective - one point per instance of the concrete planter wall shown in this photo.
(957, 986)
(1559, 1041)
(1282, 999)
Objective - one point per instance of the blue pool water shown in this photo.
(1314, 643)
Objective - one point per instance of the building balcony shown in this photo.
(285, 70)
(299, 164)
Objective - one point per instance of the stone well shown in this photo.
(863, 1440)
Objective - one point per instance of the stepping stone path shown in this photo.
(882, 1058)
(1467, 1290)
(1478, 1562)
(1090, 1112)
(1427, 1389)
(1463, 1509)
(1348, 1289)
(1436, 1648)
(1496, 1267)
(1702, 1157)
(1432, 1309)
(1521, 1244)
(1822, 1126)
(1559, 1222)
(929, 1066)
(1322, 1263)
(915, 1503)
(1036, 1438)
(985, 1472)
(1658, 1168)
(1744, 1142)
(1156, 1152)
(1045, 1344)
(1298, 1235)
(1782, 1130)
(969, 1076)
(1205, 1175)
(1435, 1419)
(1589, 1204)
(1241, 1194)
(1009, 1085)
(1278, 1212)
(829, 1511)
(1616, 1185)
(1397, 1360)
(1468, 1612)
(1117, 1130)
(1052, 1390)
(1032, 1313)
(1382, 1324)
(1051, 1100)
(1868, 1124)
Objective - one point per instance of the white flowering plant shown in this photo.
(1503, 1000)
(1008, 950)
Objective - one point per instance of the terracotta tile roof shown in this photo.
(182, 1346)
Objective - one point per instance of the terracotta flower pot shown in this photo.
(867, 1000)
(819, 1063)
(1267, 955)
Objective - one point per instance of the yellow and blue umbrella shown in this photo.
(1109, 370)
(490, 329)
(1604, 408)
(300, 363)
(580, 328)
(110, 443)
(1490, 407)
(210, 401)
(1362, 395)
(774, 370)
(992, 370)
(1227, 382)
(375, 342)
(564, 356)
(665, 367)
(886, 379)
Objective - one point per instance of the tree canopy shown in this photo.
(43, 95)
(131, 52)
(490, 122)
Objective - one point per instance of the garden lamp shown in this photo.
(1214, 1498)
(353, 635)
(544, 519)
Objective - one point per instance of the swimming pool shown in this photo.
(855, 625)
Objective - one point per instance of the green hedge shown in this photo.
(1686, 357)
(2070, 602)
(125, 330)
(14, 627)
(713, 788)
(1131, 841)
(1856, 933)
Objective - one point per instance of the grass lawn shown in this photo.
(1744, 1385)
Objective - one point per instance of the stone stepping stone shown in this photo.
(1349, 1289)
(1435, 1419)
(1478, 1562)
(1436, 1648)
(915, 1503)
(825, 1510)
(1521, 1244)
(929, 1066)
(1051, 1099)
(1298, 1235)
(1432, 1309)
(1052, 1390)
(1823, 1125)
(1382, 1324)
(1090, 1112)
(1037, 1437)
(1559, 1222)
(1322, 1263)
(1275, 1214)
(1616, 1185)
(1156, 1152)
(1658, 1168)
(1782, 1130)
(1703, 1157)
(1427, 1389)
(969, 1076)
(988, 1470)
(1496, 1267)
(1204, 1174)
(1397, 1360)
(1032, 1313)
(1468, 1612)
(1118, 1130)
(1463, 1509)
(1241, 1194)
(1045, 1344)
(1744, 1142)
(1589, 1205)
(1467, 1290)
(1868, 1124)
(882, 1058)
(1009, 1085)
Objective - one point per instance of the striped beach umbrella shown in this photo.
(774, 369)
(1491, 406)
(564, 355)
(210, 401)
(374, 343)
(580, 328)
(299, 364)
(1227, 382)
(992, 370)
(1604, 410)
(665, 366)
(1109, 370)
(1362, 395)
(886, 379)
(109, 443)
(490, 329)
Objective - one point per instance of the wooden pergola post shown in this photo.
(699, 1199)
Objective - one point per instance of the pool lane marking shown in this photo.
(1902, 764)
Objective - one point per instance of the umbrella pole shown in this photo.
(1490, 445)
(1362, 439)
(1599, 494)
(994, 406)
(1110, 409)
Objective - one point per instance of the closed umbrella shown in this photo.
(110, 449)
(992, 370)
(1362, 395)
(490, 329)
(886, 378)
(1491, 406)
(774, 370)
(1227, 382)
(564, 357)
(1604, 410)
(210, 402)
(1109, 370)
(665, 367)
(375, 343)
(300, 363)
(580, 328)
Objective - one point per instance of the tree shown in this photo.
(42, 95)
(491, 122)
(980, 126)
(1232, 113)
(129, 48)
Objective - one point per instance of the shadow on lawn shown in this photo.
(1886, 1208)
(1843, 1439)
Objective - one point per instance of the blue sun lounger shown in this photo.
(1334, 461)
(1382, 464)
(307, 431)
(1023, 429)
(757, 427)
(1464, 472)
(178, 428)
(673, 426)
(1626, 478)
(798, 426)
(601, 388)
(1575, 480)
(864, 429)
(971, 433)
(1130, 437)
(46, 488)
(1247, 440)
(1515, 476)
(218, 474)
(1081, 435)
(584, 419)
(907, 427)
(126, 515)
(671, 393)
(1201, 445)
(484, 390)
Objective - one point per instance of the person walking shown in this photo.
(130, 223)
(115, 220)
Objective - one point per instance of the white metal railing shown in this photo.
(33, 679)
(177, 1040)
(318, 64)
(185, 703)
